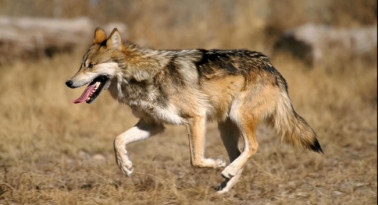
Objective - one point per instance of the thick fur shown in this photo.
(237, 88)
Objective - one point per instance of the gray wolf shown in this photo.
(236, 88)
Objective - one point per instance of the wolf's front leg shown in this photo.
(142, 130)
(196, 132)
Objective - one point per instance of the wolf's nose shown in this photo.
(69, 83)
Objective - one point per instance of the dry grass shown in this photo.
(55, 152)
(49, 146)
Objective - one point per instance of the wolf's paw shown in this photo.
(228, 183)
(229, 172)
(219, 163)
(211, 163)
(124, 163)
(127, 171)
(221, 190)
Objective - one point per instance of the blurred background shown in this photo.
(54, 152)
(207, 24)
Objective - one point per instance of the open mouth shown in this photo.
(93, 90)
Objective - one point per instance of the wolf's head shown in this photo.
(98, 66)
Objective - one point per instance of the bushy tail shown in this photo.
(292, 127)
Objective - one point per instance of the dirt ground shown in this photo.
(56, 152)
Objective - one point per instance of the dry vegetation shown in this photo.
(55, 152)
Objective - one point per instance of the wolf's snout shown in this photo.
(69, 83)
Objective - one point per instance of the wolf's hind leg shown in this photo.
(230, 134)
(247, 128)
(196, 134)
(140, 131)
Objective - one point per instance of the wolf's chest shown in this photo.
(146, 101)
(132, 92)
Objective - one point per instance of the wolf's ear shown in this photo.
(114, 40)
(99, 35)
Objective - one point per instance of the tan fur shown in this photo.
(221, 92)
(237, 88)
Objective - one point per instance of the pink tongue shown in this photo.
(87, 92)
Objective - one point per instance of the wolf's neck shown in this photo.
(138, 56)
(142, 64)
(138, 68)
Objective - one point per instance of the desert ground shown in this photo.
(55, 152)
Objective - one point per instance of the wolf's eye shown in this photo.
(90, 65)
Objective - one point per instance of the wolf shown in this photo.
(236, 88)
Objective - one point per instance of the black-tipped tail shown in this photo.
(292, 127)
(316, 147)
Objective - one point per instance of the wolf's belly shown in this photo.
(167, 114)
